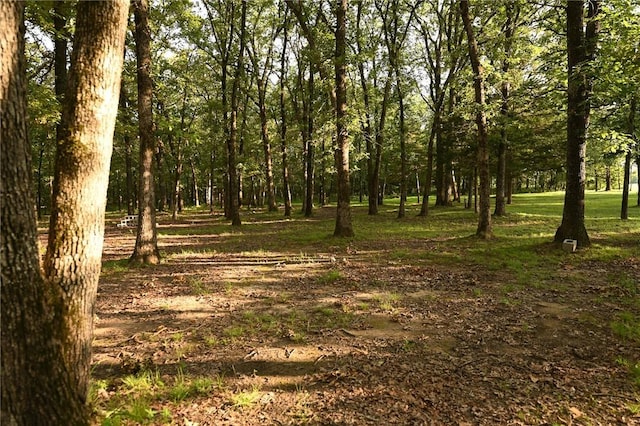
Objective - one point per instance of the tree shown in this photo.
(343, 226)
(581, 47)
(512, 11)
(232, 141)
(35, 386)
(373, 128)
(624, 208)
(48, 319)
(146, 248)
(394, 37)
(286, 186)
(338, 98)
(444, 61)
(484, 218)
(262, 63)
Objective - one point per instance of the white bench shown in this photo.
(129, 220)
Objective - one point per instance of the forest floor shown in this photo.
(278, 323)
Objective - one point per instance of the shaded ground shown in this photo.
(357, 334)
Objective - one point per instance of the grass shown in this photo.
(627, 326)
(246, 398)
(521, 257)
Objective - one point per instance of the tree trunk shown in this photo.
(60, 37)
(624, 210)
(638, 183)
(37, 384)
(195, 183)
(501, 176)
(343, 226)
(146, 248)
(403, 150)
(266, 146)
(232, 142)
(286, 186)
(424, 209)
(484, 217)
(581, 47)
(309, 172)
(124, 105)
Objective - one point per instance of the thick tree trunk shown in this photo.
(37, 386)
(343, 226)
(73, 259)
(146, 248)
(581, 46)
(484, 217)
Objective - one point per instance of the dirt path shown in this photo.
(351, 337)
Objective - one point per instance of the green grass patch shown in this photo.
(329, 277)
(627, 326)
(246, 398)
(115, 266)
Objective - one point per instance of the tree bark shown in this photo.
(484, 215)
(232, 142)
(581, 47)
(309, 154)
(624, 209)
(37, 387)
(73, 258)
(286, 186)
(124, 105)
(146, 248)
(501, 176)
(343, 226)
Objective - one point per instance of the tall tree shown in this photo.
(484, 214)
(262, 63)
(441, 42)
(338, 98)
(47, 320)
(36, 388)
(146, 248)
(73, 258)
(624, 208)
(232, 141)
(512, 12)
(343, 226)
(373, 128)
(581, 49)
(286, 186)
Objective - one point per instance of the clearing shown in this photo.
(411, 322)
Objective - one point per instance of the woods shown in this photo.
(410, 99)
(264, 106)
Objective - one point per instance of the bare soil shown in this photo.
(350, 336)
